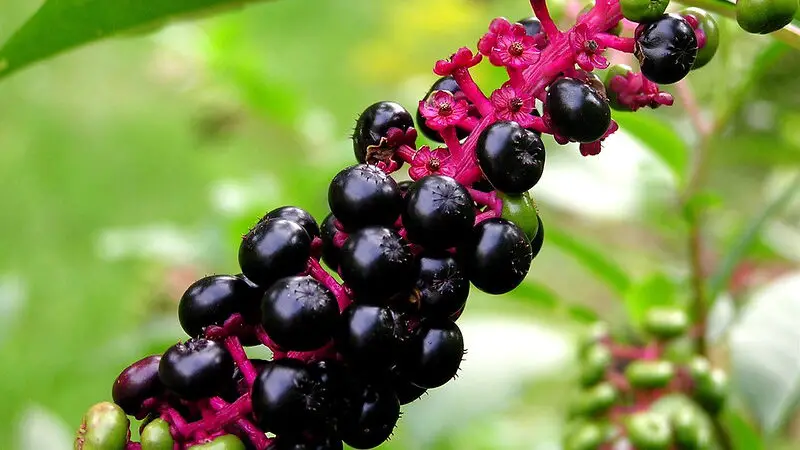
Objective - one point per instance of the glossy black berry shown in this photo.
(442, 286)
(376, 263)
(372, 127)
(372, 417)
(137, 383)
(238, 385)
(285, 398)
(364, 195)
(434, 358)
(297, 215)
(404, 186)
(498, 257)
(577, 111)
(407, 392)
(211, 301)
(368, 337)
(299, 313)
(196, 369)
(532, 25)
(446, 84)
(666, 49)
(511, 157)
(250, 306)
(439, 212)
(305, 443)
(274, 249)
(330, 252)
(538, 240)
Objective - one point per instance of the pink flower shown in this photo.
(512, 105)
(508, 45)
(427, 162)
(588, 51)
(463, 58)
(634, 91)
(442, 110)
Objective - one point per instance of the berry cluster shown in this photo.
(622, 386)
(347, 355)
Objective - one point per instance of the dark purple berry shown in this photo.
(198, 368)
(532, 26)
(404, 186)
(368, 337)
(442, 286)
(211, 301)
(274, 249)
(251, 307)
(297, 215)
(439, 212)
(483, 185)
(498, 257)
(511, 157)
(330, 252)
(372, 128)
(372, 417)
(238, 385)
(285, 398)
(457, 315)
(577, 111)
(299, 313)
(538, 240)
(305, 443)
(407, 392)
(434, 358)
(376, 263)
(447, 84)
(666, 49)
(364, 195)
(137, 383)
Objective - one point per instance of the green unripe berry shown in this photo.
(710, 390)
(643, 10)
(597, 332)
(643, 374)
(594, 364)
(649, 431)
(521, 209)
(665, 322)
(156, 436)
(764, 16)
(586, 436)
(617, 28)
(226, 442)
(104, 427)
(699, 367)
(709, 26)
(597, 400)
(690, 430)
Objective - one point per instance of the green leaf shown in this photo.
(60, 25)
(593, 259)
(742, 434)
(654, 290)
(659, 137)
(543, 297)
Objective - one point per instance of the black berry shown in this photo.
(511, 157)
(137, 383)
(577, 111)
(305, 443)
(274, 249)
(250, 306)
(372, 417)
(666, 49)
(439, 212)
(299, 313)
(330, 252)
(297, 215)
(532, 25)
(368, 337)
(442, 286)
(407, 392)
(372, 128)
(498, 257)
(211, 301)
(376, 263)
(363, 195)
(434, 358)
(538, 240)
(196, 369)
(447, 84)
(404, 186)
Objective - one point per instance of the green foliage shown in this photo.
(658, 137)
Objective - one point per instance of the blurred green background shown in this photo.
(129, 168)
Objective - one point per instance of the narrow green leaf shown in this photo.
(593, 259)
(721, 276)
(741, 432)
(654, 290)
(60, 25)
(545, 298)
(660, 138)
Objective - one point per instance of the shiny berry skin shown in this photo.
(765, 16)
(250, 306)
(297, 215)
(156, 436)
(274, 249)
(643, 10)
(407, 392)
(330, 252)
(442, 286)
(285, 398)
(538, 241)
(372, 416)
(532, 25)
(521, 209)
(577, 111)
(666, 49)
(497, 257)
(446, 84)
(439, 212)
(434, 357)
(372, 127)
(368, 337)
(364, 195)
(104, 427)
(649, 431)
(198, 368)
(137, 383)
(708, 25)
(211, 301)
(511, 157)
(376, 263)
(299, 313)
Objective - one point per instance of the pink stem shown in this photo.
(256, 436)
(223, 417)
(133, 446)
(469, 123)
(316, 271)
(339, 238)
(472, 91)
(406, 153)
(175, 419)
(466, 166)
(269, 343)
(451, 141)
(240, 358)
(548, 26)
(625, 352)
(485, 216)
(516, 78)
(623, 44)
(489, 199)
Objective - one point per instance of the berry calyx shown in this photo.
(195, 369)
(511, 157)
(765, 16)
(211, 301)
(666, 49)
(137, 383)
(156, 436)
(442, 286)
(439, 212)
(498, 256)
(577, 111)
(708, 26)
(370, 137)
(297, 215)
(435, 355)
(376, 263)
(363, 195)
(274, 249)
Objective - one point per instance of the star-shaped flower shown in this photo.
(442, 110)
(428, 162)
(508, 45)
(588, 51)
(512, 105)
(463, 58)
